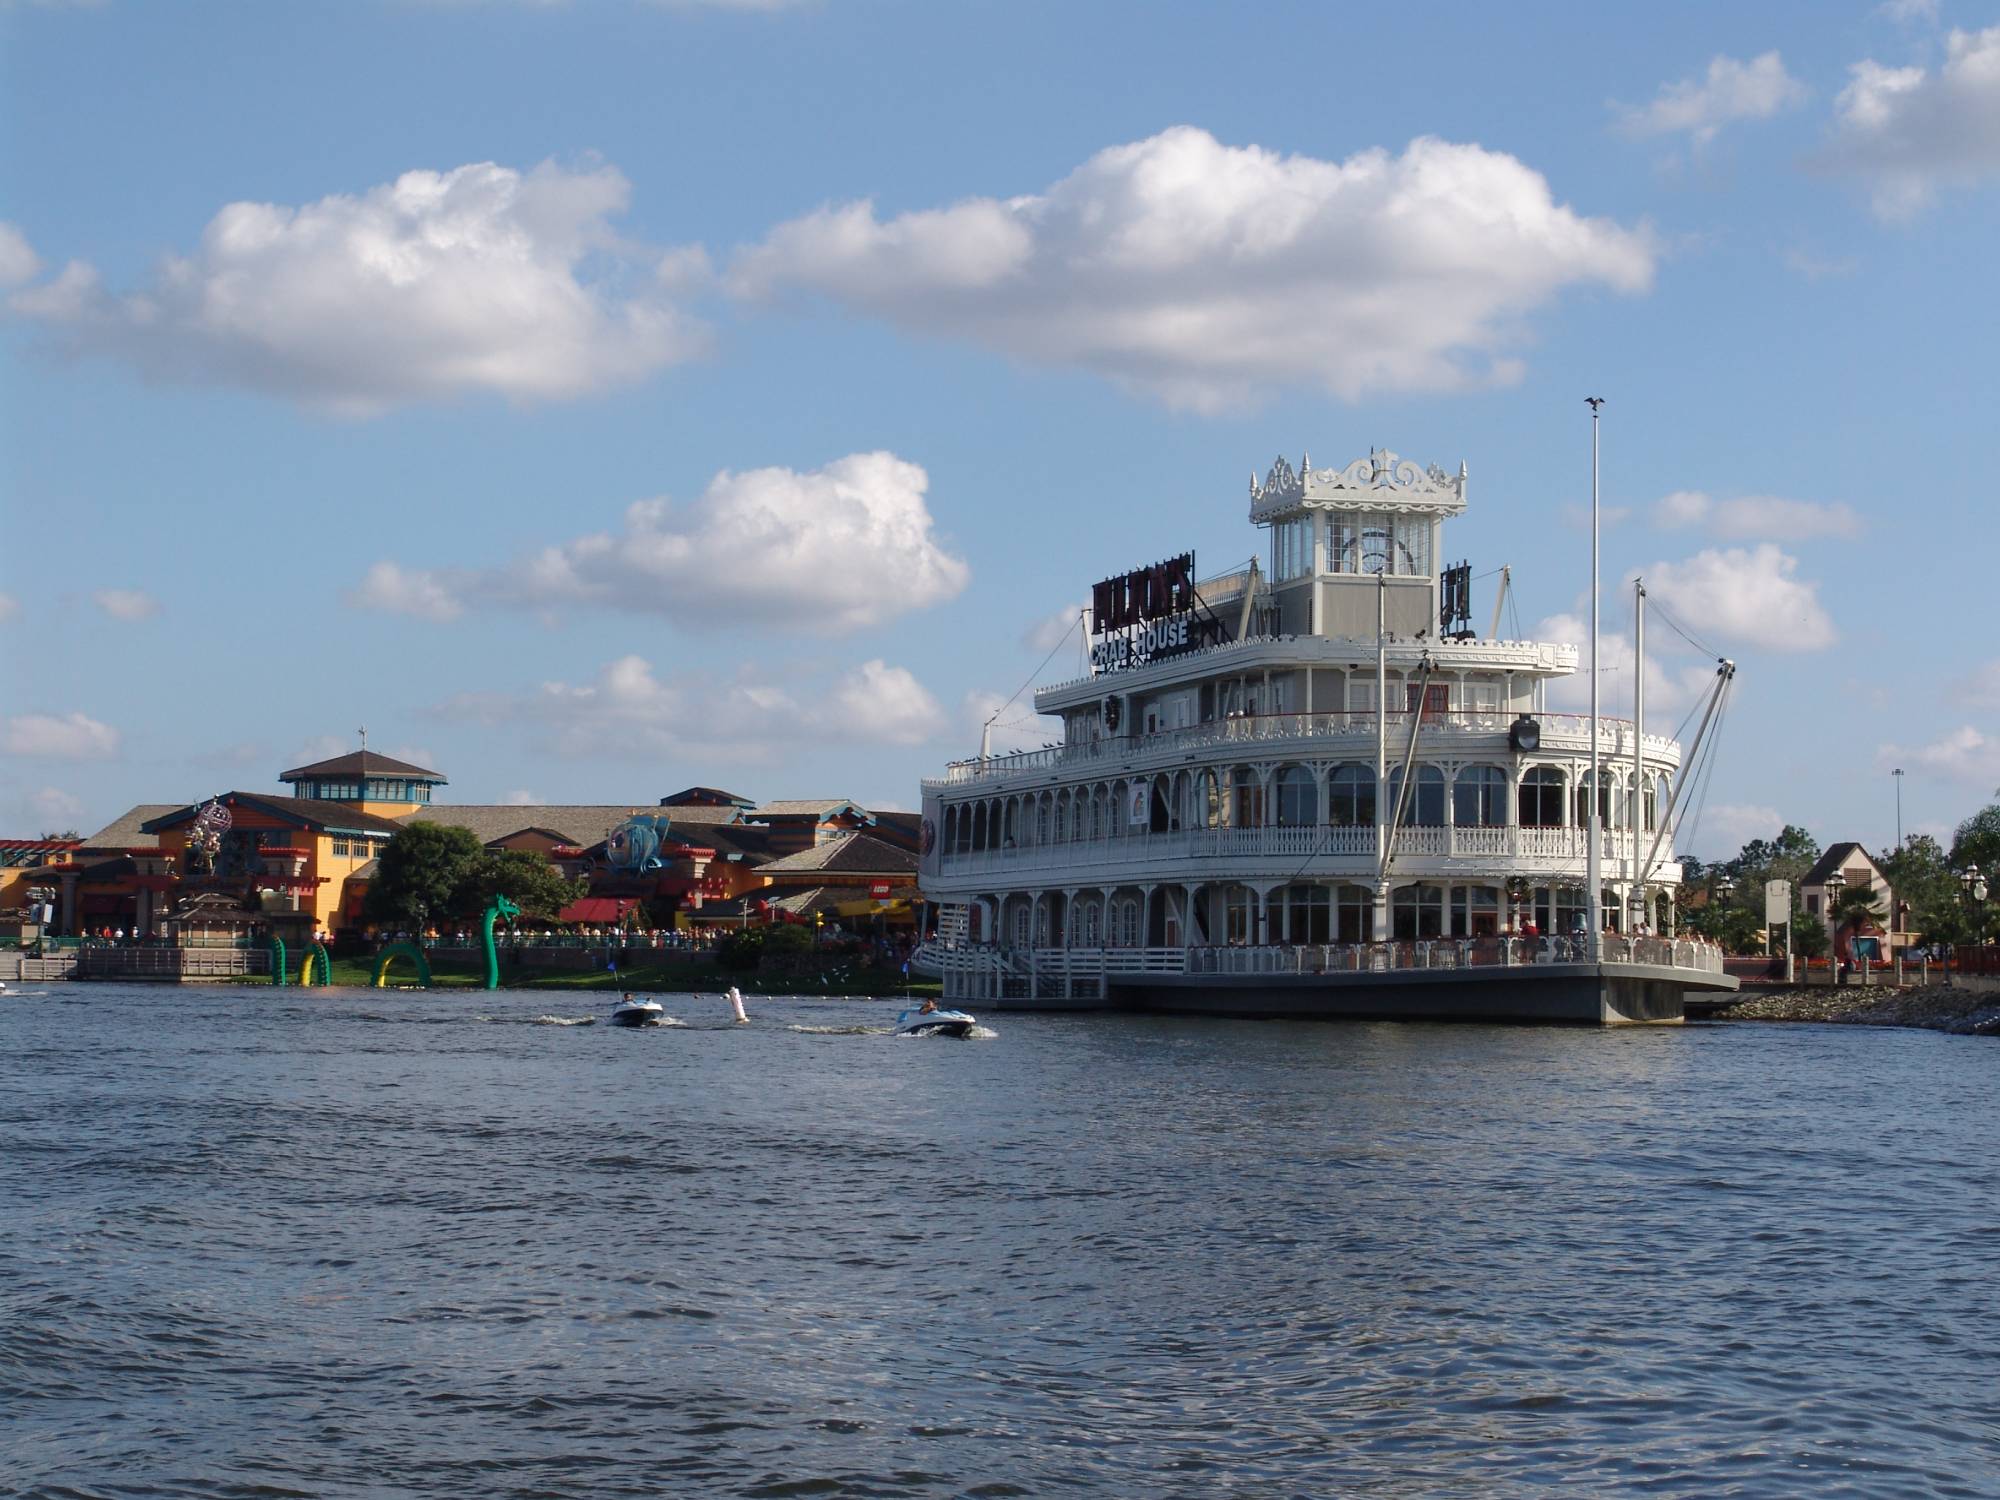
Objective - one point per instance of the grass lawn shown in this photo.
(844, 977)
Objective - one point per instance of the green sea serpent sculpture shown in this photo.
(501, 907)
(402, 950)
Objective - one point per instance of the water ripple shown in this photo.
(265, 1247)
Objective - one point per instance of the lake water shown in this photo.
(265, 1243)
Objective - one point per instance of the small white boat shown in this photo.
(935, 1022)
(630, 1012)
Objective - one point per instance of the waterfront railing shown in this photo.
(1567, 731)
(988, 970)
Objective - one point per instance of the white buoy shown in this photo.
(736, 1003)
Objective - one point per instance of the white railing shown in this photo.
(1531, 850)
(1439, 730)
(982, 970)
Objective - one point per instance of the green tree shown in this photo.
(1977, 842)
(1809, 939)
(524, 876)
(419, 872)
(1922, 875)
(1858, 904)
(1786, 857)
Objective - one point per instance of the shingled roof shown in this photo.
(1835, 857)
(124, 832)
(582, 824)
(820, 807)
(855, 854)
(313, 812)
(362, 763)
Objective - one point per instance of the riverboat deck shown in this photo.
(1634, 980)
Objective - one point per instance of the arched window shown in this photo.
(1350, 797)
(1239, 912)
(1306, 914)
(1542, 798)
(1247, 792)
(1211, 805)
(1043, 815)
(1475, 910)
(1425, 808)
(1353, 914)
(1651, 800)
(1298, 798)
(1605, 802)
(1479, 798)
(1416, 912)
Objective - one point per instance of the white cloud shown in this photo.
(321, 747)
(416, 755)
(521, 797)
(1979, 688)
(1750, 595)
(1671, 685)
(9, 606)
(397, 590)
(65, 737)
(1963, 754)
(1206, 274)
(1756, 517)
(1818, 268)
(1730, 90)
(126, 604)
(1910, 11)
(1726, 827)
(18, 262)
(440, 284)
(1052, 630)
(1909, 131)
(55, 808)
(836, 548)
(627, 709)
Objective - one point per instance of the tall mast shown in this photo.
(1593, 873)
(1637, 800)
(1381, 933)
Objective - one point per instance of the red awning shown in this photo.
(598, 910)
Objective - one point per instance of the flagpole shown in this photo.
(1593, 861)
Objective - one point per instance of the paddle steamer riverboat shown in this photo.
(1307, 787)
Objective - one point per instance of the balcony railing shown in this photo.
(1565, 731)
(1530, 849)
(1058, 970)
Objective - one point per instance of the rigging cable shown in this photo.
(1036, 673)
(1704, 768)
(1675, 626)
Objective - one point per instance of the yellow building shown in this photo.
(303, 848)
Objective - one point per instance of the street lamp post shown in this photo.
(1898, 774)
(1974, 885)
(1836, 882)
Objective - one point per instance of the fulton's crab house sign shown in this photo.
(1148, 614)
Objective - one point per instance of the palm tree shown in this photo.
(1857, 904)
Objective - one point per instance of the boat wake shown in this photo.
(843, 1030)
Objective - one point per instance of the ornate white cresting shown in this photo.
(1381, 481)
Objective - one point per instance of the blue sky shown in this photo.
(597, 398)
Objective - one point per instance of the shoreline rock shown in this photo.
(1937, 1007)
